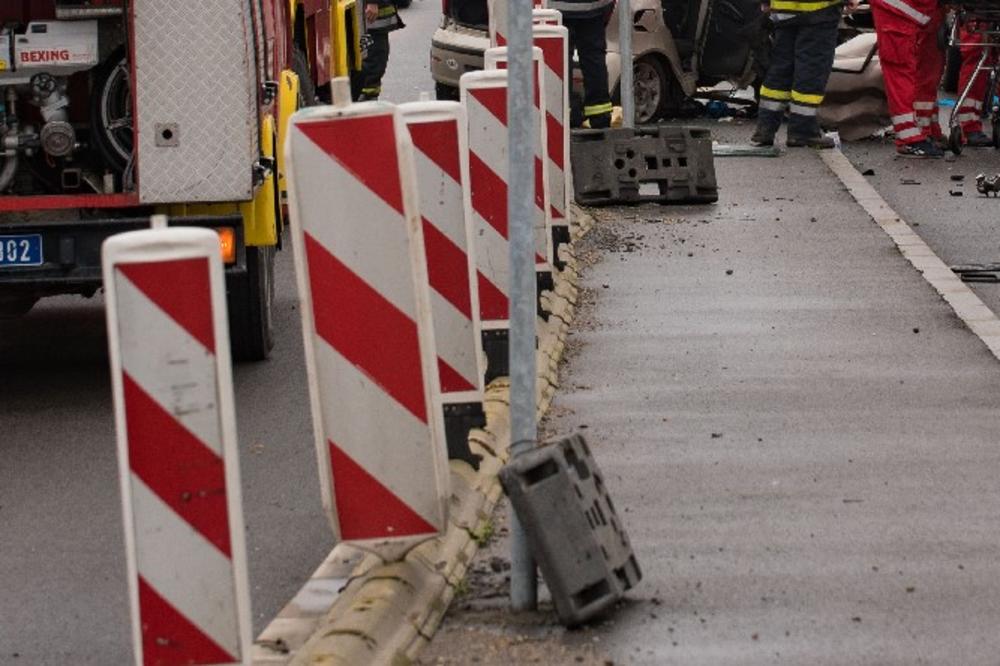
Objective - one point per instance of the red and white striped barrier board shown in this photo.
(180, 483)
(483, 94)
(442, 172)
(441, 156)
(498, 19)
(553, 40)
(496, 58)
(369, 337)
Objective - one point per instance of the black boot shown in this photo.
(768, 122)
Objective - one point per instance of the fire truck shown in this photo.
(114, 110)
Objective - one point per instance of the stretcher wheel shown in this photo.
(955, 140)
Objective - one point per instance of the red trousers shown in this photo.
(911, 65)
(971, 111)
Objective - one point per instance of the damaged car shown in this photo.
(678, 47)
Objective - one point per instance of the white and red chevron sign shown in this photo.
(369, 337)
(553, 40)
(177, 453)
(496, 58)
(484, 96)
(442, 169)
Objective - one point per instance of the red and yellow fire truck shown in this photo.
(113, 110)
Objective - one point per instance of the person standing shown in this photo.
(912, 65)
(586, 20)
(805, 37)
(381, 18)
(970, 113)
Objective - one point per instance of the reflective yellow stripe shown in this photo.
(804, 98)
(771, 93)
(371, 91)
(386, 11)
(597, 109)
(793, 6)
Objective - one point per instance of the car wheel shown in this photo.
(444, 92)
(251, 298)
(650, 83)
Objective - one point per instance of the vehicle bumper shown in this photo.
(455, 51)
(71, 252)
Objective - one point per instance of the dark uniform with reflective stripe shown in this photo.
(367, 84)
(805, 37)
(585, 20)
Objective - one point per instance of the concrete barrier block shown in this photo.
(654, 163)
(573, 528)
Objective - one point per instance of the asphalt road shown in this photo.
(799, 434)
(62, 559)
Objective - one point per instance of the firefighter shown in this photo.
(911, 66)
(805, 36)
(381, 18)
(586, 20)
(970, 114)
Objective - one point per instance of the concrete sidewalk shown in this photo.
(801, 435)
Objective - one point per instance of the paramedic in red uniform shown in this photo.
(911, 65)
(971, 112)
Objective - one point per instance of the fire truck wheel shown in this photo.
(307, 87)
(251, 330)
(16, 306)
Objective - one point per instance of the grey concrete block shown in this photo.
(652, 163)
(575, 533)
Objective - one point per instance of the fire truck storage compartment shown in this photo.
(196, 100)
(65, 108)
(75, 101)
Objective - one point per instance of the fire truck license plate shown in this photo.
(21, 250)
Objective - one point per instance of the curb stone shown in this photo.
(386, 612)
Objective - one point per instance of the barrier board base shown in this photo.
(573, 530)
(648, 164)
(459, 419)
(496, 347)
(544, 282)
(561, 237)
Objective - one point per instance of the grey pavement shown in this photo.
(799, 433)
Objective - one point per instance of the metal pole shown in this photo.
(520, 206)
(625, 49)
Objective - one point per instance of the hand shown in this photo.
(765, 8)
(371, 12)
(851, 6)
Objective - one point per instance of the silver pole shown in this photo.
(520, 206)
(625, 49)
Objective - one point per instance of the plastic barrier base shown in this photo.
(561, 237)
(653, 163)
(544, 282)
(459, 419)
(573, 529)
(496, 346)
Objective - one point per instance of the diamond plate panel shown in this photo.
(195, 70)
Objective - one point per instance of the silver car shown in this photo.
(678, 46)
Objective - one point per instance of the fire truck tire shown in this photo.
(18, 306)
(251, 328)
(307, 87)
